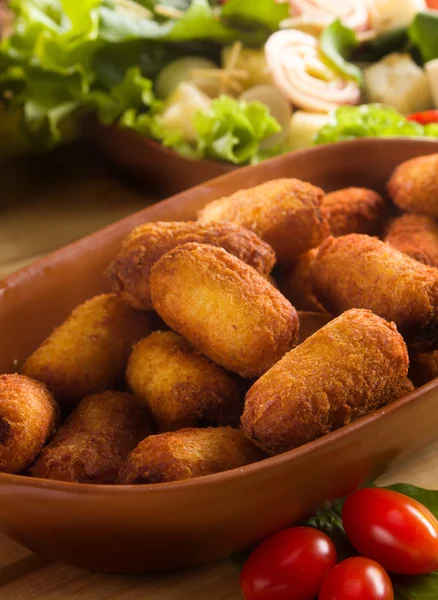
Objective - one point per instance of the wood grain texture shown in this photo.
(48, 202)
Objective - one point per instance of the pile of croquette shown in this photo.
(279, 315)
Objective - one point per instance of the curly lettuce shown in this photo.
(370, 120)
(69, 56)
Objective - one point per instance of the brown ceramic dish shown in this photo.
(141, 528)
(149, 161)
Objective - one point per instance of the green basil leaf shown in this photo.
(394, 40)
(265, 13)
(423, 32)
(336, 44)
(429, 498)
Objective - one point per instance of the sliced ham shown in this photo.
(299, 72)
(352, 13)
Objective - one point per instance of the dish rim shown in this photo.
(247, 470)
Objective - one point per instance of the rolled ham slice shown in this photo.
(299, 72)
(352, 13)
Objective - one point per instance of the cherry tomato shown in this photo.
(395, 530)
(432, 4)
(425, 117)
(290, 565)
(357, 578)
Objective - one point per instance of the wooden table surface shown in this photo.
(46, 202)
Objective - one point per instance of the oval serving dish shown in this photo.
(162, 526)
(150, 162)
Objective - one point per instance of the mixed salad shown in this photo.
(229, 80)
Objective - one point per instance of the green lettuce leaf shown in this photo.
(111, 62)
(68, 56)
(369, 120)
(134, 93)
(429, 498)
(257, 13)
(199, 22)
(423, 587)
(336, 44)
(423, 32)
(49, 100)
(232, 130)
(394, 40)
(120, 27)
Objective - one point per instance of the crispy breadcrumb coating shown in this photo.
(180, 386)
(28, 417)
(295, 284)
(358, 271)
(225, 308)
(95, 440)
(130, 270)
(416, 236)
(310, 322)
(88, 353)
(342, 372)
(284, 212)
(424, 367)
(354, 210)
(413, 185)
(186, 454)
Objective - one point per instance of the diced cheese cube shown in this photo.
(397, 81)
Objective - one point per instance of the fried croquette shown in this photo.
(295, 283)
(358, 271)
(95, 440)
(310, 322)
(88, 353)
(424, 367)
(28, 417)
(186, 454)
(225, 308)
(354, 210)
(283, 212)
(181, 387)
(130, 270)
(401, 388)
(416, 236)
(413, 185)
(337, 375)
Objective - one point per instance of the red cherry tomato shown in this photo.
(290, 565)
(425, 117)
(395, 530)
(432, 4)
(357, 578)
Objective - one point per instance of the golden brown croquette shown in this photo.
(186, 454)
(424, 367)
(310, 322)
(358, 271)
(413, 185)
(130, 270)
(337, 375)
(294, 282)
(225, 308)
(28, 417)
(95, 440)
(286, 213)
(416, 236)
(88, 353)
(180, 386)
(354, 210)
